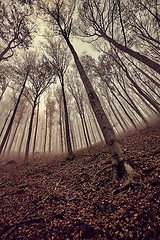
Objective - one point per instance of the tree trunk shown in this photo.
(140, 57)
(45, 134)
(117, 156)
(13, 115)
(6, 144)
(149, 105)
(14, 135)
(61, 136)
(124, 68)
(50, 139)
(6, 120)
(72, 135)
(130, 102)
(67, 127)
(145, 74)
(23, 135)
(36, 130)
(86, 127)
(84, 131)
(125, 111)
(115, 114)
(97, 126)
(30, 133)
(79, 135)
(92, 130)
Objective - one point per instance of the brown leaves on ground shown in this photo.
(73, 199)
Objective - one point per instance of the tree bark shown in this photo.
(117, 156)
(6, 120)
(23, 135)
(36, 129)
(67, 127)
(14, 135)
(13, 115)
(30, 132)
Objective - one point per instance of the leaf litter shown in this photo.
(74, 199)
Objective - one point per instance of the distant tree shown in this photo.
(41, 76)
(21, 111)
(50, 112)
(36, 128)
(25, 123)
(20, 73)
(59, 58)
(125, 69)
(59, 101)
(77, 92)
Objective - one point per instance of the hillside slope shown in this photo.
(74, 199)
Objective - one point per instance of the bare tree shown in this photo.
(21, 73)
(50, 112)
(15, 28)
(40, 78)
(61, 15)
(59, 101)
(77, 92)
(99, 17)
(59, 59)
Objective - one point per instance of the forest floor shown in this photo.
(75, 199)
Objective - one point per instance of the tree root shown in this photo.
(132, 176)
(126, 187)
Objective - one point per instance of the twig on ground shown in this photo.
(13, 227)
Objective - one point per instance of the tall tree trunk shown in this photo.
(36, 130)
(5, 123)
(124, 68)
(30, 132)
(92, 130)
(149, 105)
(64, 132)
(140, 57)
(13, 115)
(45, 134)
(125, 111)
(14, 135)
(6, 144)
(145, 74)
(86, 127)
(67, 127)
(97, 126)
(23, 135)
(117, 156)
(79, 135)
(115, 114)
(84, 130)
(50, 139)
(61, 137)
(72, 135)
(130, 102)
